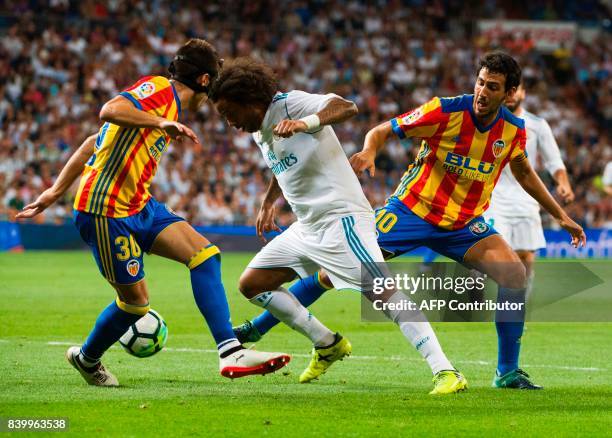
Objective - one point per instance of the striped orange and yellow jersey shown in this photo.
(459, 162)
(116, 179)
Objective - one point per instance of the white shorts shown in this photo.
(341, 248)
(521, 233)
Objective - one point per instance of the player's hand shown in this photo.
(265, 221)
(286, 128)
(177, 131)
(575, 230)
(47, 198)
(363, 160)
(565, 192)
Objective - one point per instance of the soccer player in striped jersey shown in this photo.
(467, 141)
(522, 228)
(120, 220)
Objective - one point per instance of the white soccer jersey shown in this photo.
(311, 168)
(509, 199)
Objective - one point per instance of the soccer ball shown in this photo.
(147, 336)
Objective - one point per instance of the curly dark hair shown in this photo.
(502, 63)
(245, 81)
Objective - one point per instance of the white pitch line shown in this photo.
(561, 367)
(357, 357)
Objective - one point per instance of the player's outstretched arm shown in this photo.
(531, 182)
(374, 141)
(120, 111)
(265, 218)
(337, 110)
(73, 168)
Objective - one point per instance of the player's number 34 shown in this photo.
(127, 248)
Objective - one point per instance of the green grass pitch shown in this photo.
(49, 300)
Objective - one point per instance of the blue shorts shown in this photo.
(400, 231)
(118, 243)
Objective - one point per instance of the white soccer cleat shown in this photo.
(97, 375)
(248, 362)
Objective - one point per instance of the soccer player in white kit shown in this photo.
(335, 227)
(515, 214)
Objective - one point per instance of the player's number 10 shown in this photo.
(385, 221)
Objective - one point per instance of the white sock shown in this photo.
(225, 348)
(89, 363)
(423, 338)
(285, 307)
(419, 332)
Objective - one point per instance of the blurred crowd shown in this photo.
(60, 60)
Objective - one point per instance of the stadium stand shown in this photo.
(58, 68)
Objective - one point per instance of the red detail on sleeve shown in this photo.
(138, 82)
(158, 99)
(521, 138)
(431, 118)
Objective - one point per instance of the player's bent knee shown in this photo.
(133, 294)
(254, 281)
(248, 285)
(135, 309)
(324, 279)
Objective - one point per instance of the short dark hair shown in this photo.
(502, 63)
(195, 58)
(245, 81)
